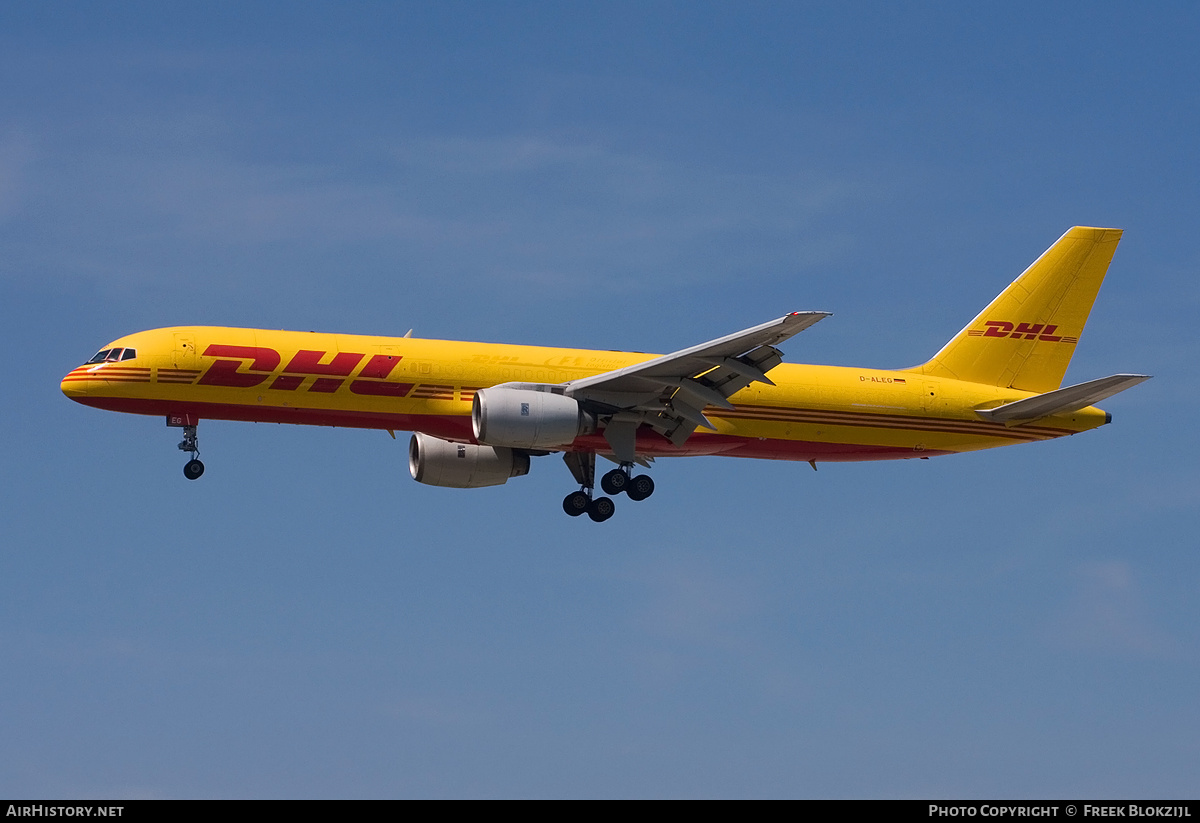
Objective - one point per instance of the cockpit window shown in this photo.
(113, 355)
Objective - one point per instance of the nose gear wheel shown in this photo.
(193, 468)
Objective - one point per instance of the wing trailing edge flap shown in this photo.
(670, 393)
(621, 434)
(1061, 401)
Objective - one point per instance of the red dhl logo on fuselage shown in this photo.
(254, 364)
(1021, 331)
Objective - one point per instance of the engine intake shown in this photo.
(437, 462)
(527, 419)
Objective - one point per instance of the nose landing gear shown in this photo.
(193, 468)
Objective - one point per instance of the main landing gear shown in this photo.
(583, 468)
(193, 468)
(599, 509)
(619, 480)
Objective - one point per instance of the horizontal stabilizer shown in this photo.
(1061, 401)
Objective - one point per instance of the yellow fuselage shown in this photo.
(823, 413)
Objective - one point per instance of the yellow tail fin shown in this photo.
(1024, 339)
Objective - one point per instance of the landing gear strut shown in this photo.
(193, 468)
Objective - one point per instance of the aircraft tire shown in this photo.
(576, 503)
(601, 509)
(193, 469)
(614, 482)
(640, 487)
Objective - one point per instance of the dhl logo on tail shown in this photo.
(1022, 331)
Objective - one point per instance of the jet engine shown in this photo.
(462, 466)
(527, 419)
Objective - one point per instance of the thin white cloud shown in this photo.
(439, 711)
(158, 196)
(691, 612)
(1106, 613)
(16, 157)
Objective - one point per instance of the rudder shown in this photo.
(1024, 339)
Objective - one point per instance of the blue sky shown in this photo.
(308, 622)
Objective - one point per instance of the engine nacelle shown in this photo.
(527, 419)
(460, 465)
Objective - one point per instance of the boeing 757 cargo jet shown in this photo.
(480, 411)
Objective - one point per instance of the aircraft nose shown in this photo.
(74, 385)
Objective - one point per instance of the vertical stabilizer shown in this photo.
(1024, 339)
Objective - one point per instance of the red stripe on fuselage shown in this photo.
(449, 428)
(458, 428)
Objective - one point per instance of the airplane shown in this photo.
(478, 412)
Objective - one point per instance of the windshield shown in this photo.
(113, 355)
